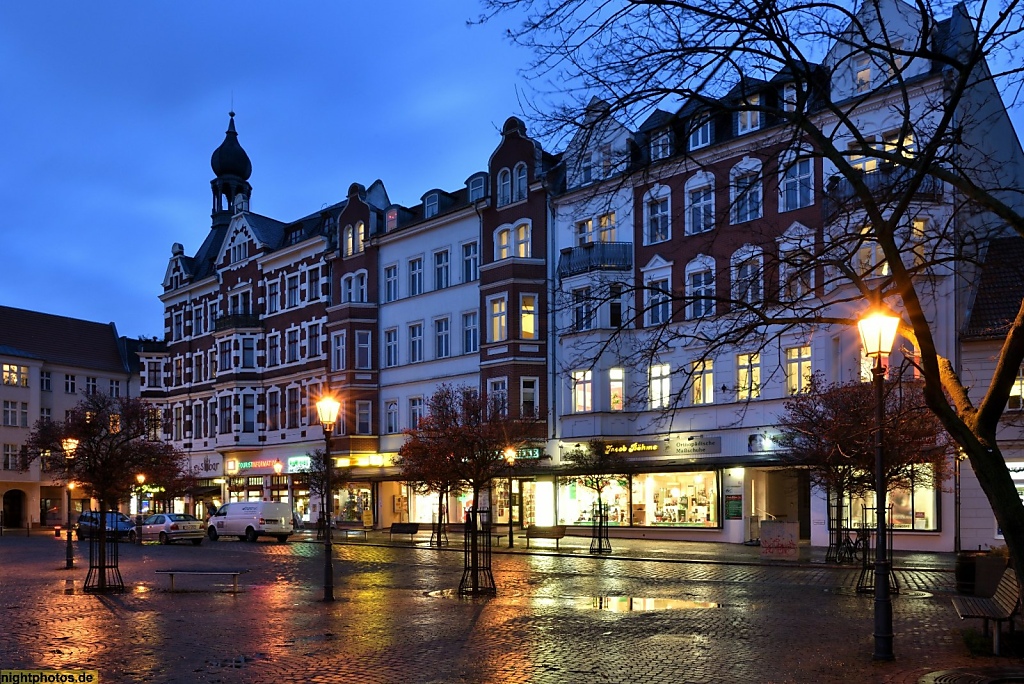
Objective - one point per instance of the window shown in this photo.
(115, 387)
(353, 287)
(746, 197)
(748, 376)
(273, 410)
(700, 134)
(339, 355)
(273, 350)
(789, 97)
(504, 187)
(749, 119)
(606, 227)
(292, 290)
(248, 413)
(583, 318)
(703, 382)
(657, 221)
(470, 333)
(660, 389)
(292, 407)
(178, 329)
(659, 302)
(273, 297)
(240, 303)
(360, 236)
(586, 164)
(430, 206)
(390, 348)
(1016, 400)
(615, 291)
(391, 417)
(313, 284)
(519, 186)
(363, 361)
(701, 292)
(364, 415)
(523, 241)
(896, 61)
(313, 346)
(582, 391)
(442, 338)
(349, 242)
(44, 379)
(869, 260)
(415, 277)
(798, 369)
(476, 191)
(797, 183)
(701, 209)
(415, 412)
(224, 419)
(292, 346)
(90, 382)
(862, 73)
(248, 353)
(746, 283)
(415, 342)
(661, 145)
(584, 231)
(497, 331)
(528, 317)
(470, 262)
(179, 375)
(607, 162)
(390, 220)
(441, 270)
(390, 283)
(11, 414)
(17, 376)
(528, 397)
(198, 414)
(503, 244)
(198, 320)
(153, 375)
(497, 392)
(616, 389)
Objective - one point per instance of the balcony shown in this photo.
(233, 321)
(885, 183)
(595, 256)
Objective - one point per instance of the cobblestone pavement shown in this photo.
(560, 618)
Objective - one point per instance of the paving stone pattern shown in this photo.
(647, 614)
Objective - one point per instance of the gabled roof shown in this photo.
(659, 118)
(268, 231)
(1000, 289)
(61, 340)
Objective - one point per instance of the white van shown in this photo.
(250, 520)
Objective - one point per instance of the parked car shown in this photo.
(172, 527)
(119, 525)
(249, 520)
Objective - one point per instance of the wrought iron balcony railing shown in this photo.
(885, 184)
(595, 256)
(231, 321)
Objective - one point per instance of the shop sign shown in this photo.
(698, 445)
(631, 448)
(760, 442)
(529, 452)
(264, 463)
(734, 507)
(298, 464)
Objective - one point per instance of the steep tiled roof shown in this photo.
(61, 340)
(1000, 289)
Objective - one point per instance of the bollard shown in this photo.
(56, 531)
(28, 527)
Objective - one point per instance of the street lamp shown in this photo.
(327, 410)
(141, 479)
(877, 333)
(68, 446)
(510, 458)
(278, 467)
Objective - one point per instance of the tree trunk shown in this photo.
(990, 468)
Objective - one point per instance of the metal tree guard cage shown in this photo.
(599, 542)
(477, 578)
(866, 580)
(104, 574)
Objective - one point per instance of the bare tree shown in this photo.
(907, 217)
(597, 464)
(427, 466)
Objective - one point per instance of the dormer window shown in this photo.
(294, 236)
(504, 187)
(862, 73)
(789, 97)
(700, 135)
(476, 189)
(748, 119)
(661, 145)
(430, 206)
(390, 220)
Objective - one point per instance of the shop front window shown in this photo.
(353, 499)
(576, 502)
(913, 508)
(676, 499)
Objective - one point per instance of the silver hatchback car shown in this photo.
(172, 527)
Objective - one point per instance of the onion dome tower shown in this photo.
(232, 168)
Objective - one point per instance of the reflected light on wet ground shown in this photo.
(633, 604)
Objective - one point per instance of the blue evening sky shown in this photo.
(111, 110)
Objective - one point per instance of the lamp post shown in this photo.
(68, 446)
(141, 479)
(877, 332)
(278, 467)
(510, 458)
(327, 410)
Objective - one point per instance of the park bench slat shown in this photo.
(1000, 607)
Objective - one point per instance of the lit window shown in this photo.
(616, 389)
(606, 227)
(870, 261)
(498, 329)
(748, 376)
(749, 119)
(584, 231)
(660, 386)
(17, 376)
(862, 73)
(661, 145)
(703, 382)
(523, 241)
(360, 236)
(582, 391)
(1016, 401)
(798, 369)
(390, 220)
(503, 244)
(528, 317)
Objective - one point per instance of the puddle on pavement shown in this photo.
(611, 604)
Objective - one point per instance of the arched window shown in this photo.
(502, 244)
(747, 275)
(796, 263)
(349, 246)
(523, 247)
(700, 287)
(519, 189)
(796, 179)
(504, 187)
(699, 196)
(745, 190)
(360, 236)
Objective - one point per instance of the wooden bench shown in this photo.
(555, 532)
(409, 528)
(350, 531)
(1000, 607)
(232, 573)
